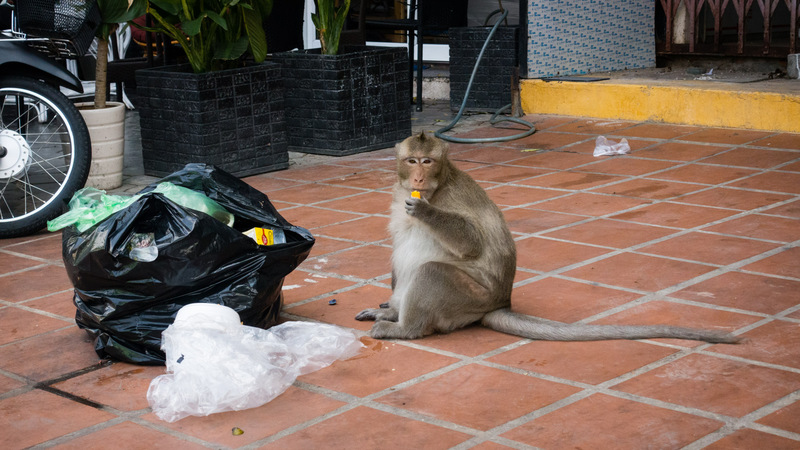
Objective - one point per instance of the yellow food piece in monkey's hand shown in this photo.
(415, 194)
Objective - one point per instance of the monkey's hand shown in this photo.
(417, 207)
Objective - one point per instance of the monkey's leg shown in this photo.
(441, 298)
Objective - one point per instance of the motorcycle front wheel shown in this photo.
(45, 153)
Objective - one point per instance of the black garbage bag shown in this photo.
(125, 304)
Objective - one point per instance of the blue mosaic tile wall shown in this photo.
(571, 37)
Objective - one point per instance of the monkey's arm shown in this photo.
(456, 232)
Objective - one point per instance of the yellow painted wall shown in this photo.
(691, 103)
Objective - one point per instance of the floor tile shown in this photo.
(291, 408)
(517, 196)
(565, 300)
(546, 140)
(545, 255)
(38, 416)
(49, 355)
(590, 362)
(645, 188)
(749, 292)
(524, 220)
(363, 262)
(733, 198)
(610, 233)
(121, 386)
(313, 193)
(505, 174)
(712, 384)
(47, 247)
(784, 182)
(366, 203)
(674, 215)
(19, 286)
(571, 180)
(603, 421)
(643, 273)
(783, 140)
(773, 343)
(300, 285)
(471, 341)
(348, 304)
(784, 418)
(60, 304)
(594, 126)
(791, 209)
(469, 396)
(546, 121)
(365, 229)
(752, 157)
(626, 165)
(129, 435)
(725, 136)
(373, 429)
(12, 263)
(749, 439)
(9, 384)
(489, 154)
(373, 179)
(679, 151)
(382, 365)
(17, 324)
(703, 174)
(785, 263)
(555, 160)
(760, 226)
(318, 172)
(590, 204)
(709, 248)
(269, 183)
(323, 246)
(311, 217)
(657, 130)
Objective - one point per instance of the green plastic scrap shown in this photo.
(90, 206)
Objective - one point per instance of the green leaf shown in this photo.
(192, 27)
(172, 7)
(231, 50)
(256, 35)
(218, 19)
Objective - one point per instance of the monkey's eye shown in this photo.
(426, 161)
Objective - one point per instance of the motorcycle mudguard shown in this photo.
(35, 65)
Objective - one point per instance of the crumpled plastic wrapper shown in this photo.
(215, 364)
(604, 147)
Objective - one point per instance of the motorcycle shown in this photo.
(45, 149)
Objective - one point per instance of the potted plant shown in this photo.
(225, 107)
(344, 101)
(106, 120)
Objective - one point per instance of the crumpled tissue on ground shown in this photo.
(604, 147)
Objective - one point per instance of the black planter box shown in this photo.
(232, 119)
(491, 89)
(348, 103)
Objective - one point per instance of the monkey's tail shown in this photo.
(506, 321)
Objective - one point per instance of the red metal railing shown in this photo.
(727, 27)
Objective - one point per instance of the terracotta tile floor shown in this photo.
(697, 226)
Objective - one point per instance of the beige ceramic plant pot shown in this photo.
(107, 132)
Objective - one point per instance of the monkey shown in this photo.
(454, 261)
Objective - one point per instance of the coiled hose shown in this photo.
(494, 119)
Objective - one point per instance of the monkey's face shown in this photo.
(420, 173)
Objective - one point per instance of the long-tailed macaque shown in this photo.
(454, 260)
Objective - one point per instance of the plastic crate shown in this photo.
(70, 23)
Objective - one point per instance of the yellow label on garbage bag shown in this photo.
(262, 236)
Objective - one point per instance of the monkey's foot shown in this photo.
(392, 330)
(378, 314)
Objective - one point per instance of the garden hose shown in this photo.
(494, 119)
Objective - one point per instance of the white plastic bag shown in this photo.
(215, 364)
(604, 147)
